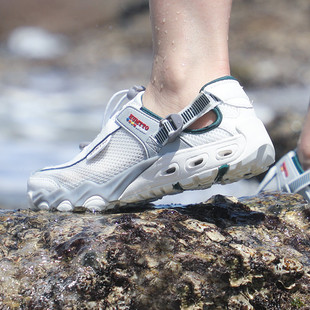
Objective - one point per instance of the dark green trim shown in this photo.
(218, 121)
(223, 78)
(149, 112)
(297, 164)
(221, 172)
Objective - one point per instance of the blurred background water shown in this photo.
(60, 63)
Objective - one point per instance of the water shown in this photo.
(46, 113)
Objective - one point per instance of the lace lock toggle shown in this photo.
(133, 91)
(173, 124)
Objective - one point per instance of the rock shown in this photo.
(284, 131)
(263, 40)
(222, 254)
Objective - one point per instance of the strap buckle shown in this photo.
(173, 124)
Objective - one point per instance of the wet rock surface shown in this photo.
(252, 253)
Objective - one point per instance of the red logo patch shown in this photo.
(134, 121)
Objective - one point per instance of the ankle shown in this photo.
(165, 102)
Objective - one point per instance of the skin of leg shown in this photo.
(190, 49)
(303, 145)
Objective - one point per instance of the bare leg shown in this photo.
(190, 42)
(303, 147)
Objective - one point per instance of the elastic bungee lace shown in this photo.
(112, 108)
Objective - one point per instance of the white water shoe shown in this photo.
(288, 176)
(139, 156)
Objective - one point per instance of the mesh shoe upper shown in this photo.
(122, 152)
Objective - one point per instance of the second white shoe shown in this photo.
(288, 176)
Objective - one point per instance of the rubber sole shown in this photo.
(250, 166)
(189, 169)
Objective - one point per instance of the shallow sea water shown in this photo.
(45, 116)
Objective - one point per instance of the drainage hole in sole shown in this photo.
(198, 162)
(225, 153)
(171, 170)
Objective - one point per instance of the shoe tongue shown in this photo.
(136, 102)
